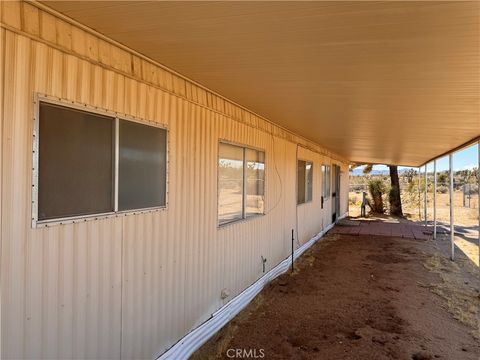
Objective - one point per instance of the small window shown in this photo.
(241, 183)
(77, 157)
(304, 181)
(326, 178)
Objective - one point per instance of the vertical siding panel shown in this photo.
(96, 75)
(182, 228)
(202, 223)
(50, 294)
(56, 73)
(108, 90)
(71, 66)
(13, 194)
(119, 93)
(65, 280)
(141, 100)
(33, 282)
(2, 70)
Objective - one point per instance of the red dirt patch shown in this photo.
(354, 297)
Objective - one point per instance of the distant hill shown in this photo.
(359, 172)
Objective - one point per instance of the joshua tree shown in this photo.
(394, 197)
(377, 189)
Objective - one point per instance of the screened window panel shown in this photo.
(255, 186)
(326, 180)
(230, 183)
(141, 166)
(300, 181)
(308, 181)
(329, 181)
(323, 180)
(76, 152)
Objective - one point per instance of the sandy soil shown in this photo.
(362, 297)
(465, 216)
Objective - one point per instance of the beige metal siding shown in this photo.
(344, 187)
(2, 60)
(309, 214)
(129, 286)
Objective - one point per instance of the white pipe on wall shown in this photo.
(419, 200)
(434, 199)
(452, 229)
(425, 199)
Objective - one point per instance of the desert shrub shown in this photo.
(377, 188)
(471, 189)
(442, 189)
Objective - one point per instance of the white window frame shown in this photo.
(327, 174)
(42, 98)
(244, 194)
(305, 185)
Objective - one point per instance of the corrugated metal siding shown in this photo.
(2, 60)
(130, 286)
(344, 187)
(309, 214)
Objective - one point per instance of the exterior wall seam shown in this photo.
(2, 107)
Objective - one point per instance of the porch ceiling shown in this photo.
(394, 82)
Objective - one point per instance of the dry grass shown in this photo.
(462, 299)
(462, 215)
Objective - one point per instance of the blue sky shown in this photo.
(465, 159)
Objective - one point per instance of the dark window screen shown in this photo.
(75, 163)
(142, 166)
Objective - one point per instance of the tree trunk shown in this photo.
(394, 196)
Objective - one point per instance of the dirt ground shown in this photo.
(361, 297)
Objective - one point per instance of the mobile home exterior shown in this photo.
(131, 283)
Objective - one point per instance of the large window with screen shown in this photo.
(141, 166)
(241, 183)
(304, 181)
(91, 163)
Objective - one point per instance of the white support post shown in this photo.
(419, 200)
(452, 230)
(425, 200)
(434, 199)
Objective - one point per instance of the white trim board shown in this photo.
(191, 342)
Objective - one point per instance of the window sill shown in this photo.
(233, 222)
(90, 217)
(305, 203)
